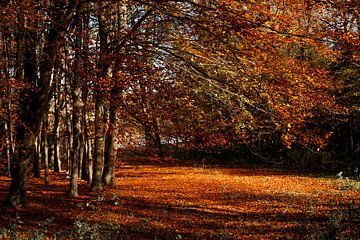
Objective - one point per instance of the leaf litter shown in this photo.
(151, 201)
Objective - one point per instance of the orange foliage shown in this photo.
(196, 201)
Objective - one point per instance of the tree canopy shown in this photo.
(81, 78)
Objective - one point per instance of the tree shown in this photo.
(76, 106)
(342, 27)
(213, 73)
(34, 98)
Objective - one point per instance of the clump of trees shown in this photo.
(80, 77)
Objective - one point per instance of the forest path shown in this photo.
(165, 201)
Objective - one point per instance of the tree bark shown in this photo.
(84, 138)
(58, 106)
(157, 138)
(100, 122)
(84, 168)
(89, 144)
(33, 103)
(36, 156)
(8, 123)
(96, 185)
(56, 129)
(20, 168)
(9, 144)
(110, 150)
(45, 150)
(76, 124)
(68, 140)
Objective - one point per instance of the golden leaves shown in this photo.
(201, 201)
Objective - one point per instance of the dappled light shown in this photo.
(204, 202)
(182, 119)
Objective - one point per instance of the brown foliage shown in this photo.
(155, 200)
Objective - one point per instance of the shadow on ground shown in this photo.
(156, 201)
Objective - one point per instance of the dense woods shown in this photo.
(249, 81)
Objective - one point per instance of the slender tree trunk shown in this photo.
(91, 155)
(157, 138)
(57, 160)
(68, 139)
(84, 168)
(84, 138)
(56, 129)
(9, 145)
(8, 124)
(75, 153)
(110, 155)
(36, 157)
(81, 156)
(76, 124)
(45, 150)
(4, 138)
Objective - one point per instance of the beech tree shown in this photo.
(34, 97)
(213, 73)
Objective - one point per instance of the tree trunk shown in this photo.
(96, 185)
(157, 138)
(45, 150)
(8, 129)
(36, 157)
(76, 124)
(56, 130)
(100, 122)
(75, 154)
(68, 139)
(20, 167)
(9, 144)
(110, 151)
(84, 138)
(91, 154)
(33, 103)
(30, 76)
(84, 168)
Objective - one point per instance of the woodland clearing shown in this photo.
(171, 200)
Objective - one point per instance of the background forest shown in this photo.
(256, 82)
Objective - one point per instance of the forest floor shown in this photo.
(169, 200)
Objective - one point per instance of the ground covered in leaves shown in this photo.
(163, 200)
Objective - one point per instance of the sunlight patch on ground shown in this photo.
(163, 202)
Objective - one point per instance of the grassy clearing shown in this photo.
(161, 201)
